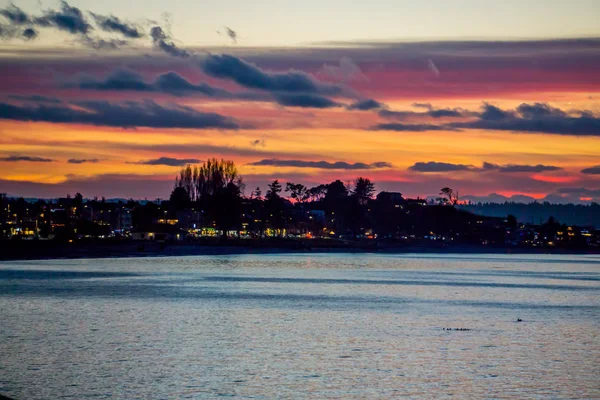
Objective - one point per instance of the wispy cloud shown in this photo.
(435, 166)
(71, 20)
(321, 164)
(431, 112)
(230, 67)
(126, 115)
(398, 127)
(535, 118)
(366, 105)
(595, 170)
(111, 23)
(83, 161)
(232, 34)
(175, 84)
(166, 44)
(25, 159)
(168, 161)
(346, 71)
(305, 100)
(519, 168)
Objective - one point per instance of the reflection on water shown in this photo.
(301, 326)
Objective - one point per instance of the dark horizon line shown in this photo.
(427, 198)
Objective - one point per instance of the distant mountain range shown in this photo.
(536, 213)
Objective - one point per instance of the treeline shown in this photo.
(535, 213)
(211, 199)
(216, 188)
(336, 208)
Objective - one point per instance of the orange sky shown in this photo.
(529, 110)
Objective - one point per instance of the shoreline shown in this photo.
(26, 250)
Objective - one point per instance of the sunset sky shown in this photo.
(494, 99)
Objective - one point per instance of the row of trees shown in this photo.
(218, 178)
(218, 181)
(216, 188)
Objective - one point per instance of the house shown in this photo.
(158, 232)
(418, 201)
(390, 197)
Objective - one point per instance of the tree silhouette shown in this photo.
(317, 193)
(274, 190)
(336, 191)
(214, 175)
(187, 181)
(179, 198)
(450, 196)
(216, 186)
(363, 190)
(274, 205)
(298, 192)
(256, 194)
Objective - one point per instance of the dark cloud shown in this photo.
(35, 98)
(519, 168)
(431, 112)
(535, 118)
(305, 100)
(595, 170)
(17, 18)
(121, 79)
(25, 158)
(15, 15)
(539, 110)
(175, 84)
(12, 32)
(434, 166)
(321, 164)
(248, 75)
(493, 113)
(258, 142)
(83, 161)
(411, 127)
(171, 162)
(69, 19)
(232, 34)
(29, 34)
(528, 118)
(166, 44)
(126, 115)
(111, 23)
(170, 82)
(366, 105)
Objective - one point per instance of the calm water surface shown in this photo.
(301, 326)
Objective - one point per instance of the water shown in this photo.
(301, 326)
